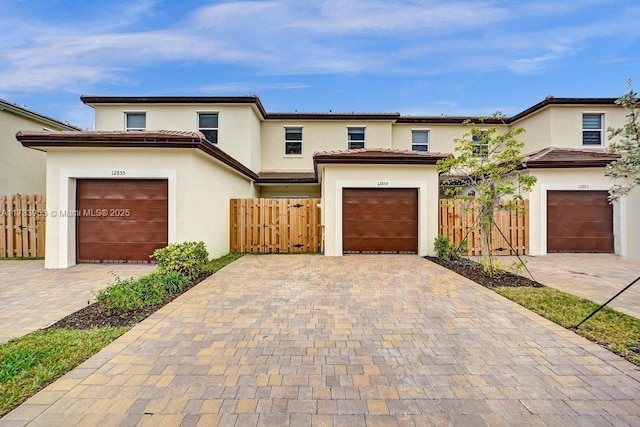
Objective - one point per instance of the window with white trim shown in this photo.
(293, 141)
(355, 137)
(208, 125)
(420, 140)
(480, 145)
(135, 121)
(592, 129)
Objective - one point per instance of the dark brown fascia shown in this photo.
(313, 180)
(397, 117)
(379, 159)
(333, 116)
(250, 99)
(566, 164)
(450, 120)
(550, 100)
(508, 120)
(135, 140)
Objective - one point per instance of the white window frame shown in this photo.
(600, 130)
(286, 127)
(420, 144)
(364, 138)
(126, 121)
(477, 151)
(217, 129)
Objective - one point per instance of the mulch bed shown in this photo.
(96, 315)
(473, 270)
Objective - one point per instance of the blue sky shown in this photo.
(416, 57)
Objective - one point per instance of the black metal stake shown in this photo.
(513, 249)
(605, 304)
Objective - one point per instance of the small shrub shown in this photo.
(186, 258)
(122, 294)
(447, 250)
(173, 282)
(151, 289)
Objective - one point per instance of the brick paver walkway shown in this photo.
(32, 297)
(352, 341)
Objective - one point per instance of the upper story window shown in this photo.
(208, 125)
(293, 141)
(135, 121)
(592, 129)
(355, 138)
(420, 140)
(480, 146)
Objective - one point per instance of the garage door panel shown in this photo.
(380, 228)
(579, 221)
(380, 220)
(383, 245)
(367, 215)
(121, 220)
(121, 252)
(117, 189)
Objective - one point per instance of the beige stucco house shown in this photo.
(176, 162)
(23, 170)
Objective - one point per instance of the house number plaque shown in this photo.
(118, 172)
(383, 183)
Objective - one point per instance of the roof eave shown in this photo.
(135, 140)
(567, 164)
(92, 100)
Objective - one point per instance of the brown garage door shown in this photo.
(121, 220)
(380, 220)
(579, 221)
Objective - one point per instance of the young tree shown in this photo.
(486, 162)
(626, 143)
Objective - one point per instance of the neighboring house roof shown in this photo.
(378, 156)
(554, 157)
(120, 139)
(5, 105)
(396, 117)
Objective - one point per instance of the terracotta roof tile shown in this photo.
(554, 157)
(135, 139)
(378, 155)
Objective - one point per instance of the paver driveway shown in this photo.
(597, 277)
(32, 297)
(311, 340)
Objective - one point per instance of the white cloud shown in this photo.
(289, 37)
(247, 87)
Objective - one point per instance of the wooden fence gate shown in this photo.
(457, 217)
(275, 225)
(22, 225)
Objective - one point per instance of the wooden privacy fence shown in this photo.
(22, 225)
(275, 225)
(457, 217)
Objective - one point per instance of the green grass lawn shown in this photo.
(29, 363)
(616, 331)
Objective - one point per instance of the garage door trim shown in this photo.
(544, 217)
(397, 233)
(143, 228)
